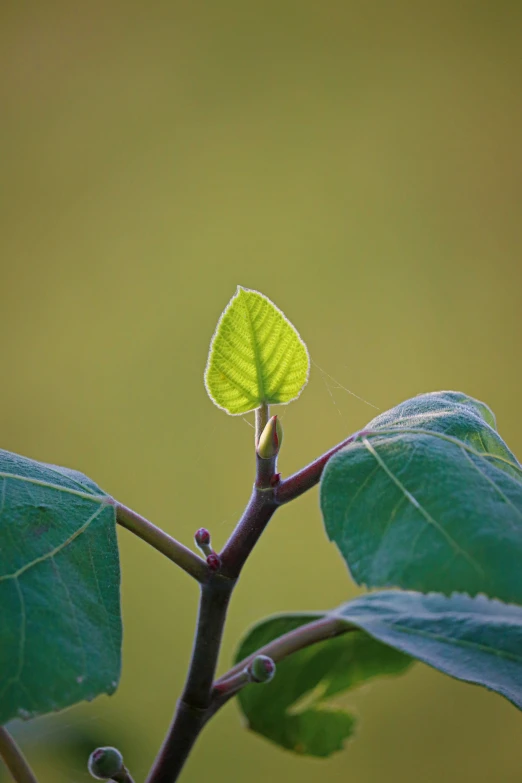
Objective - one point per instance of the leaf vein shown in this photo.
(57, 549)
(415, 503)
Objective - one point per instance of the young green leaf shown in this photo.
(60, 621)
(477, 640)
(256, 356)
(293, 710)
(429, 498)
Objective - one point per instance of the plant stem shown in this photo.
(262, 415)
(309, 476)
(215, 597)
(14, 759)
(157, 538)
(256, 517)
(191, 711)
(280, 648)
(125, 777)
(199, 701)
(231, 683)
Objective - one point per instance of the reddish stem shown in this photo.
(199, 701)
(309, 476)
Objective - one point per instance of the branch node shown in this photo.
(214, 562)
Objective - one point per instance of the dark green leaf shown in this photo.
(293, 710)
(477, 640)
(60, 622)
(429, 498)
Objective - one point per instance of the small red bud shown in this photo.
(276, 478)
(214, 561)
(202, 537)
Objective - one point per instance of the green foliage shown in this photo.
(293, 710)
(427, 498)
(477, 640)
(256, 356)
(60, 623)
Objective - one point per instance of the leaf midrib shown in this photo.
(57, 487)
(415, 503)
(256, 349)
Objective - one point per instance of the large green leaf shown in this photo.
(60, 622)
(477, 640)
(429, 498)
(256, 356)
(294, 710)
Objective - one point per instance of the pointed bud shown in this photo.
(271, 439)
(262, 669)
(106, 763)
(214, 561)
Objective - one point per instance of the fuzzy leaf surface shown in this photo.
(477, 640)
(60, 620)
(429, 498)
(256, 356)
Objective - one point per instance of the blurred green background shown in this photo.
(359, 163)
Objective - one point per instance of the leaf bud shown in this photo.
(262, 669)
(271, 439)
(106, 763)
(202, 536)
(202, 539)
(214, 561)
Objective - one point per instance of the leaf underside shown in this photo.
(476, 640)
(429, 498)
(60, 621)
(256, 356)
(295, 710)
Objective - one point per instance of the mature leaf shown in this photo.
(429, 498)
(256, 356)
(478, 640)
(60, 622)
(293, 710)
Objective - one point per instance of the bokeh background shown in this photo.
(360, 163)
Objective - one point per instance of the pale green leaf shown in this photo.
(256, 356)
(60, 621)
